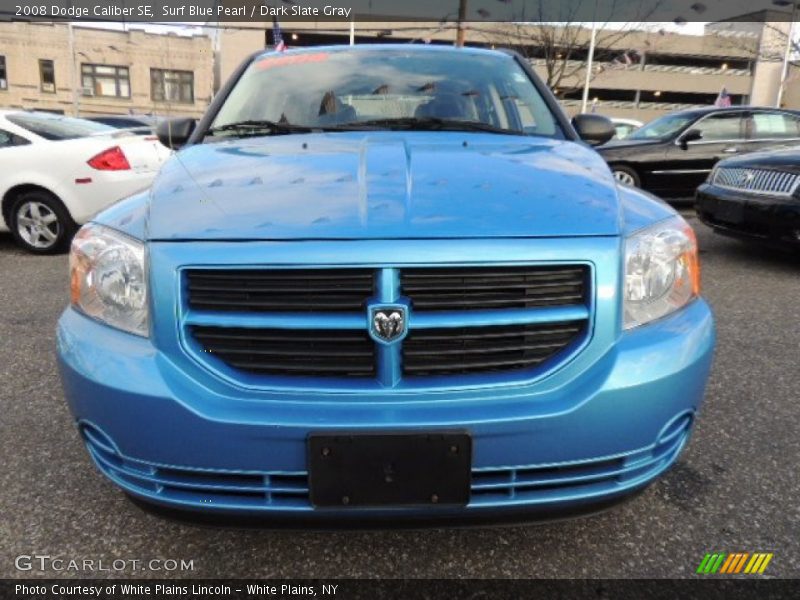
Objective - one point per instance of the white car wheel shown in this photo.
(38, 225)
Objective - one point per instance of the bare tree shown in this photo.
(561, 44)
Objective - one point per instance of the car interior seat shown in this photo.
(444, 106)
(333, 110)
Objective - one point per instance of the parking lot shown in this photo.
(735, 488)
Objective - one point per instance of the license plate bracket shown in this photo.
(390, 469)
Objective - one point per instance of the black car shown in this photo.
(672, 155)
(755, 196)
(140, 124)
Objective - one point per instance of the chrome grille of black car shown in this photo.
(279, 290)
(758, 181)
(493, 287)
(313, 323)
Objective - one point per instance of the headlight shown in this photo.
(108, 278)
(662, 272)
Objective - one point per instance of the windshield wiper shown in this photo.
(428, 124)
(259, 127)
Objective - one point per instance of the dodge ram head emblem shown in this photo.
(387, 323)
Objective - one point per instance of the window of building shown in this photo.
(47, 75)
(171, 86)
(106, 80)
(3, 75)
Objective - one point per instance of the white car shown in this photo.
(56, 172)
(625, 127)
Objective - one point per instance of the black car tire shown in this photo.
(626, 175)
(40, 223)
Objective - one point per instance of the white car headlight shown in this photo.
(108, 278)
(662, 272)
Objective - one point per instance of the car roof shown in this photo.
(387, 47)
(144, 119)
(705, 110)
(125, 116)
(4, 112)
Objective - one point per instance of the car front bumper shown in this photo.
(771, 219)
(171, 440)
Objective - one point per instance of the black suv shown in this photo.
(672, 155)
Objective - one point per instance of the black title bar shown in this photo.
(442, 11)
(706, 587)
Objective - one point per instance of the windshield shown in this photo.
(663, 127)
(386, 89)
(57, 127)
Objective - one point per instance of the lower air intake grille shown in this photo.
(482, 288)
(292, 352)
(461, 351)
(279, 290)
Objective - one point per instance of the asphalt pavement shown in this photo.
(735, 488)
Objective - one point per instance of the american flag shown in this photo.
(627, 59)
(723, 100)
(277, 36)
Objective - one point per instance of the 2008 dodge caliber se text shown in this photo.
(385, 283)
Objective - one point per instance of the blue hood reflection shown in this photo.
(384, 185)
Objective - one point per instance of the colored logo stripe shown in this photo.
(758, 563)
(721, 562)
(735, 562)
(711, 563)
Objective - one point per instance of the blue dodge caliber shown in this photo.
(385, 282)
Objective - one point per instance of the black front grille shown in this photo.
(470, 288)
(302, 350)
(279, 290)
(292, 352)
(466, 350)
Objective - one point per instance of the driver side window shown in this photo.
(721, 128)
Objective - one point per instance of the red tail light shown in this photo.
(112, 159)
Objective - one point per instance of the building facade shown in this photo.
(637, 74)
(88, 71)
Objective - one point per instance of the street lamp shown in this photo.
(789, 44)
(590, 61)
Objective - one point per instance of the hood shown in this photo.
(780, 158)
(383, 185)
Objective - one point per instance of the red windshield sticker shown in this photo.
(281, 60)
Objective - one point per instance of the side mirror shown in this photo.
(174, 133)
(690, 136)
(595, 130)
